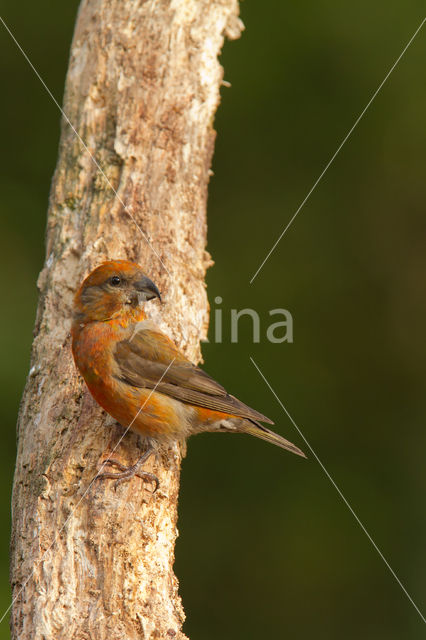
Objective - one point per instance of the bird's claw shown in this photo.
(126, 473)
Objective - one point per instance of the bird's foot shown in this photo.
(128, 472)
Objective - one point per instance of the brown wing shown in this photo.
(149, 359)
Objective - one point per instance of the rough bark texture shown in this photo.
(142, 89)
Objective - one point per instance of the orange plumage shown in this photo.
(137, 374)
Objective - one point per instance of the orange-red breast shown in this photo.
(138, 375)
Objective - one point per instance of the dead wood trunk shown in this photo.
(141, 91)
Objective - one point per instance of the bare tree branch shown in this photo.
(141, 91)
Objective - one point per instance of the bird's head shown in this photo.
(114, 288)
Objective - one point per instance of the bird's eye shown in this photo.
(115, 281)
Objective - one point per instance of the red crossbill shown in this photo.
(138, 375)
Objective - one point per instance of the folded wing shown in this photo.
(150, 360)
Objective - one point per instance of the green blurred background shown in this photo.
(267, 548)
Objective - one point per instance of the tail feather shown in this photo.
(256, 429)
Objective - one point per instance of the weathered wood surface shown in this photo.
(141, 91)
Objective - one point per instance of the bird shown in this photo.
(138, 375)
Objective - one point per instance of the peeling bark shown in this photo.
(142, 88)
